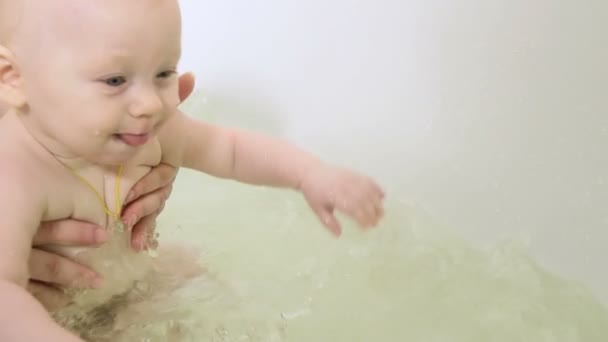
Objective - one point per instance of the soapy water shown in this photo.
(273, 274)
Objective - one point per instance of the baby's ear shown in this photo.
(11, 91)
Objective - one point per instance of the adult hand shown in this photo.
(147, 197)
(49, 272)
(145, 202)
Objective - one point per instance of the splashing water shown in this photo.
(272, 273)
(283, 278)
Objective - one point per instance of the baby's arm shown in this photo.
(257, 159)
(22, 317)
(235, 154)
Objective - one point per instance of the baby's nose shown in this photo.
(147, 103)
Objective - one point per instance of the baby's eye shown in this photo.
(115, 81)
(166, 74)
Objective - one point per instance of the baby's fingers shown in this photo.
(366, 215)
(364, 206)
(325, 214)
(375, 207)
(378, 190)
(375, 197)
(372, 216)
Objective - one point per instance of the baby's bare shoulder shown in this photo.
(17, 165)
(21, 169)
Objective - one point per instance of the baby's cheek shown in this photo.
(172, 100)
(171, 96)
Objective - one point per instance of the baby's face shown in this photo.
(99, 76)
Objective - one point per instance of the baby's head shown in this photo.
(92, 79)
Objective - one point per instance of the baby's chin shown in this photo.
(111, 160)
(115, 153)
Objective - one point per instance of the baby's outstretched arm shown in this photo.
(258, 159)
(22, 317)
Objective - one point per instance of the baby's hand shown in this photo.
(327, 188)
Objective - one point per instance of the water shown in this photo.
(272, 273)
(278, 276)
(513, 92)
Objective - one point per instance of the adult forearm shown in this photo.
(22, 318)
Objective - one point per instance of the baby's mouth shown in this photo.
(133, 139)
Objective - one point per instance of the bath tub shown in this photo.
(484, 121)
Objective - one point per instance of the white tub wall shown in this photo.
(489, 113)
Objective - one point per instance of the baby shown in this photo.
(93, 93)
